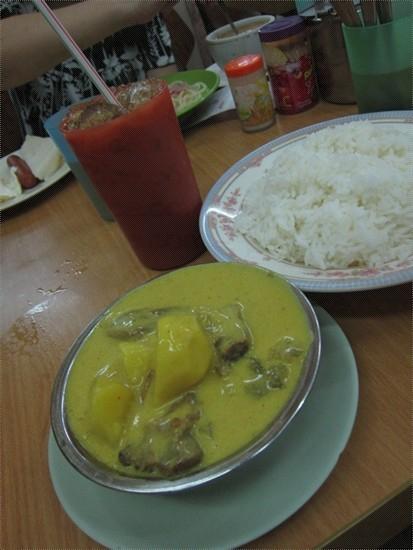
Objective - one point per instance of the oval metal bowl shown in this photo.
(95, 471)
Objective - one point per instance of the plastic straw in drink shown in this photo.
(77, 53)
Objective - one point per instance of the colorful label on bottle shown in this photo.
(254, 103)
(292, 76)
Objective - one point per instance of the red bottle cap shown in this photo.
(243, 65)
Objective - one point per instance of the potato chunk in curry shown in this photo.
(109, 406)
(137, 359)
(183, 356)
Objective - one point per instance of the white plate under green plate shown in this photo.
(224, 203)
(209, 78)
(39, 188)
(246, 503)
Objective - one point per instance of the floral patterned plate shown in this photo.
(224, 203)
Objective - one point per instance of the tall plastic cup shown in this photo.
(138, 163)
(380, 60)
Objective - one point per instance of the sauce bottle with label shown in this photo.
(287, 53)
(252, 96)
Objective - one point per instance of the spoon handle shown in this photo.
(384, 10)
(225, 12)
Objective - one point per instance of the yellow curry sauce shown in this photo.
(187, 369)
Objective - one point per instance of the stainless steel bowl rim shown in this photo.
(101, 474)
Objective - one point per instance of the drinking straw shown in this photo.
(77, 53)
(227, 15)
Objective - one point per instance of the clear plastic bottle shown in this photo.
(252, 96)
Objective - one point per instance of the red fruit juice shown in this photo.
(138, 162)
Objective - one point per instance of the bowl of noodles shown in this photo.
(189, 89)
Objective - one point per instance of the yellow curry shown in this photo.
(186, 370)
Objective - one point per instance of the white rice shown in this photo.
(341, 197)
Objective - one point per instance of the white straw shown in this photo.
(77, 53)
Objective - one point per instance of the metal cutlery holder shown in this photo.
(331, 61)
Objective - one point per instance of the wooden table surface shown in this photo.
(62, 264)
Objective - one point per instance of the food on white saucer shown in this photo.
(22, 171)
(42, 155)
(34, 162)
(9, 184)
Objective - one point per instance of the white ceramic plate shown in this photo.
(39, 188)
(244, 504)
(224, 203)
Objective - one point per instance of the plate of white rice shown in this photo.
(329, 207)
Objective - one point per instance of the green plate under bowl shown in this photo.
(244, 504)
(209, 78)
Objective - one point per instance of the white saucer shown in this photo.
(39, 188)
(246, 503)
